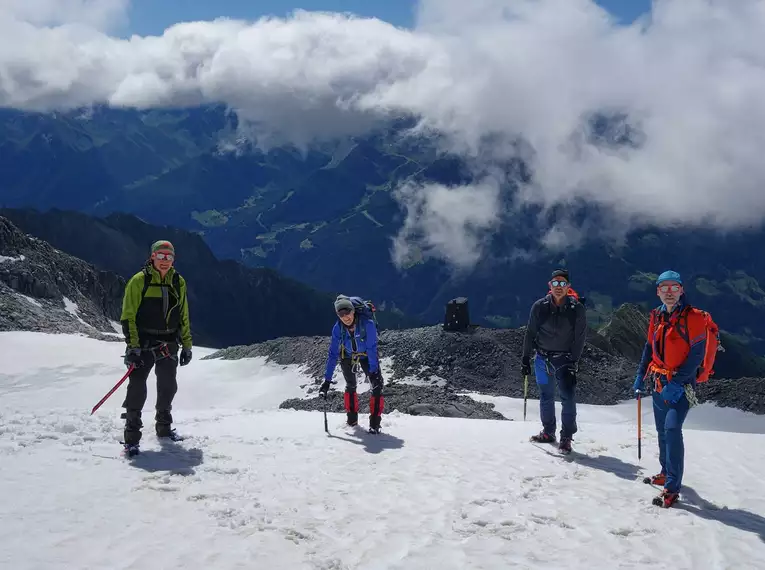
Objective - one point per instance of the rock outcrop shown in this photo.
(44, 289)
(429, 368)
(626, 331)
(436, 366)
(407, 399)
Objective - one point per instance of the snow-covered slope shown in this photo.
(259, 487)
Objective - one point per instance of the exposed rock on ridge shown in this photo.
(44, 289)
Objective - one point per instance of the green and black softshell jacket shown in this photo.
(155, 309)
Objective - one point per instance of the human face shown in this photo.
(559, 287)
(163, 260)
(346, 316)
(669, 292)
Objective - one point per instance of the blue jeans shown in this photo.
(549, 373)
(669, 427)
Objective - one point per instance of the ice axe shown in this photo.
(640, 420)
(324, 395)
(117, 385)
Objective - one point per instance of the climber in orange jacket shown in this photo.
(673, 352)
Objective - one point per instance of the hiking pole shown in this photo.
(117, 385)
(326, 427)
(640, 420)
(525, 394)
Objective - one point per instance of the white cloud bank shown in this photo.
(691, 83)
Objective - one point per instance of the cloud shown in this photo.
(99, 14)
(446, 222)
(660, 122)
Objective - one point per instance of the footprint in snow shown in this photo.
(295, 535)
(545, 520)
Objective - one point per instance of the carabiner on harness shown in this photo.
(160, 351)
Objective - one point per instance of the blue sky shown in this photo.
(151, 17)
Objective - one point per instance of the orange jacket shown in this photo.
(675, 345)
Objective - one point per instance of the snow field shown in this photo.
(258, 487)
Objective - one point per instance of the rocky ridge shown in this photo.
(43, 289)
(427, 369)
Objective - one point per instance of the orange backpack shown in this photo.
(712, 336)
(713, 345)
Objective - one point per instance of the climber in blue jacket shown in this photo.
(354, 343)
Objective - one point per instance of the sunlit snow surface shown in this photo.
(253, 486)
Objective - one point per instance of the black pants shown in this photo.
(167, 385)
(376, 399)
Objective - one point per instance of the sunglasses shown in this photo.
(558, 283)
(344, 312)
(168, 256)
(667, 288)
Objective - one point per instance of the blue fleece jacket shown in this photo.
(365, 336)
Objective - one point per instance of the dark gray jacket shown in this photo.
(553, 328)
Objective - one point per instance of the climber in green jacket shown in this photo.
(155, 321)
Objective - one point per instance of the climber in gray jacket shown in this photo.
(557, 329)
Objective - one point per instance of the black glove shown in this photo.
(525, 366)
(185, 357)
(324, 389)
(133, 356)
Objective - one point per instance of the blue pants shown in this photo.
(549, 372)
(669, 427)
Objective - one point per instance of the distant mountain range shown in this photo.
(229, 303)
(325, 217)
(51, 289)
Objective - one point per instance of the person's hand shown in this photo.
(525, 366)
(672, 392)
(185, 357)
(324, 388)
(133, 356)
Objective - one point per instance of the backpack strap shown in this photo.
(651, 324)
(146, 282)
(683, 330)
(362, 326)
(546, 311)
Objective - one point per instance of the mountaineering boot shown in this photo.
(163, 423)
(659, 480)
(130, 449)
(565, 445)
(374, 424)
(666, 499)
(172, 435)
(353, 419)
(376, 406)
(542, 437)
(133, 426)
